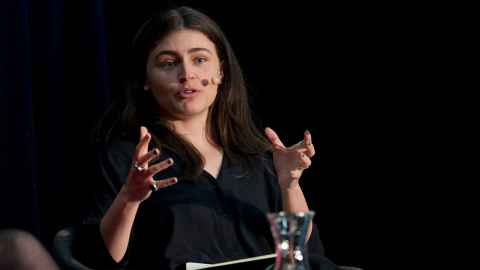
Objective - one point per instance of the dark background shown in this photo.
(366, 79)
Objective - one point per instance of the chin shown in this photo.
(189, 112)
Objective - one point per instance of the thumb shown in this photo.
(273, 137)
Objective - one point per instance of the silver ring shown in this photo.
(154, 186)
(138, 167)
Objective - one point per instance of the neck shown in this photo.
(193, 129)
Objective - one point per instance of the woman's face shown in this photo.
(177, 71)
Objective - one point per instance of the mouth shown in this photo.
(187, 92)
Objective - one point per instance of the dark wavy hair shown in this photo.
(230, 123)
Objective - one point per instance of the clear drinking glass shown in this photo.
(289, 232)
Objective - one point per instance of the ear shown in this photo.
(219, 77)
(220, 71)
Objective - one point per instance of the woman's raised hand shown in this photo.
(140, 182)
(290, 162)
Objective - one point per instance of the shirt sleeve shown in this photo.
(109, 174)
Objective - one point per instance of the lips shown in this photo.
(187, 93)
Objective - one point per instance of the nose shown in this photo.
(186, 73)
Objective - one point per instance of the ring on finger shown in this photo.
(139, 168)
(154, 186)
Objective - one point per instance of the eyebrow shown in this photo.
(192, 50)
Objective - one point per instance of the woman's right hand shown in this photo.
(140, 182)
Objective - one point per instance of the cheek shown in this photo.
(161, 81)
(214, 71)
(160, 84)
(214, 92)
(157, 76)
(207, 71)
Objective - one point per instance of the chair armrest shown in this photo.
(62, 250)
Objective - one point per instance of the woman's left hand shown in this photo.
(290, 162)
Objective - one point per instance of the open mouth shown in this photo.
(187, 92)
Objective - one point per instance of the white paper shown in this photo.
(195, 266)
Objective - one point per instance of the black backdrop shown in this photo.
(357, 75)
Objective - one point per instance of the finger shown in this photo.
(144, 134)
(307, 138)
(142, 146)
(310, 151)
(305, 145)
(298, 146)
(163, 183)
(144, 160)
(273, 137)
(307, 141)
(305, 161)
(154, 169)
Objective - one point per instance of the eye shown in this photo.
(200, 60)
(167, 64)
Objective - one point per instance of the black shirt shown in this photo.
(203, 220)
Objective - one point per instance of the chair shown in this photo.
(62, 249)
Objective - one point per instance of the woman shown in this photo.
(189, 177)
